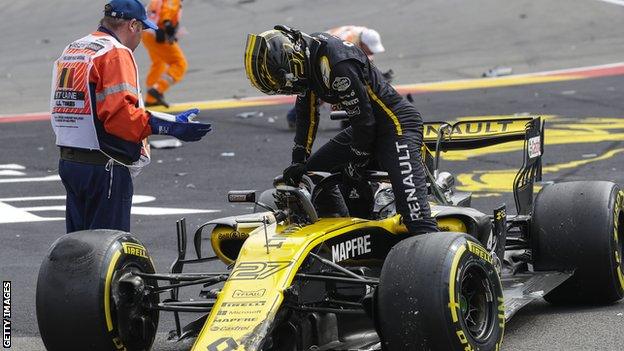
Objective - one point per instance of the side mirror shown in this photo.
(242, 196)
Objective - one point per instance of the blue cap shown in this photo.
(128, 9)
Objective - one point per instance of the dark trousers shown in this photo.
(88, 204)
(399, 155)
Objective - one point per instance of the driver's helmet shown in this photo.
(275, 63)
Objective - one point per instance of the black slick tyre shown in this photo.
(579, 226)
(87, 298)
(439, 291)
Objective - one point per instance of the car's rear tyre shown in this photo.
(439, 291)
(579, 226)
(87, 300)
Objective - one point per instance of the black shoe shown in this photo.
(160, 99)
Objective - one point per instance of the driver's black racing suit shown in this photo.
(384, 125)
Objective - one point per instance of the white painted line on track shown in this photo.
(12, 166)
(158, 211)
(615, 2)
(12, 214)
(11, 172)
(430, 87)
(51, 178)
(136, 210)
(136, 199)
(43, 208)
(32, 198)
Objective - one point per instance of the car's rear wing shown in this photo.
(478, 133)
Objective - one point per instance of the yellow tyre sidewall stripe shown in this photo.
(107, 289)
(453, 305)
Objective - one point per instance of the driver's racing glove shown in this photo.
(294, 173)
(181, 126)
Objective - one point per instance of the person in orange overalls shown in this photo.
(168, 61)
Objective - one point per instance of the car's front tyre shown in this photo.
(440, 291)
(87, 298)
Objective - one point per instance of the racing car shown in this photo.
(295, 280)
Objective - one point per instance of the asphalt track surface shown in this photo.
(527, 35)
(425, 40)
(198, 176)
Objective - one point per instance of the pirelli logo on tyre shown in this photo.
(134, 249)
(480, 252)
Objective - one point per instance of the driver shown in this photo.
(383, 124)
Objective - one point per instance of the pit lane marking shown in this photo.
(12, 166)
(615, 2)
(612, 69)
(559, 131)
(50, 178)
(11, 169)
(10, 172)
(13, 214)
(494, 182)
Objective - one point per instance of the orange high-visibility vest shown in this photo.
(97, 67)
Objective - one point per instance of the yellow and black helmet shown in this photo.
(275, 62)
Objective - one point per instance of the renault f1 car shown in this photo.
(295, 281)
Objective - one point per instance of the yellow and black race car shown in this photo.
(299, 282)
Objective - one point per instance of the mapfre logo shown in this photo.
(351, 248)
(242, 294)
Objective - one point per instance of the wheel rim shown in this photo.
(476, 302)
(140, 328)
